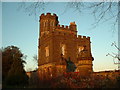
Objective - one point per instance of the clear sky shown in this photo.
(22, 30)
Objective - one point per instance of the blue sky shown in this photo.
(22, 30)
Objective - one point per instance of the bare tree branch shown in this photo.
(32, 8)
(102, 11)
(114, 55)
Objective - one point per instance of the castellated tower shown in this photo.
(56, 40)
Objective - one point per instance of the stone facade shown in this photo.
(56, 40)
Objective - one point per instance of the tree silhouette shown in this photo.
(13, 72)
(17, 75)
(7, 58)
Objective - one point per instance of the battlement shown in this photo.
(83, 37)
(48, 15)
(63, 27)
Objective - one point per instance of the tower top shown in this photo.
(72, 23)
(48, 15)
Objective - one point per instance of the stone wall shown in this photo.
(55, 36)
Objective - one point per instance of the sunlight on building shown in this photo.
(47, 51)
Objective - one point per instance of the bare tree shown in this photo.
(116, 56)
(32, 8)
(103, 11)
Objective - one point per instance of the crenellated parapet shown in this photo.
(62, 27)
(83, 38)
(48, 15)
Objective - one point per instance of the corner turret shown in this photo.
(73, 26)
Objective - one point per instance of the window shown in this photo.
(46, 23)
(80, 48)
(77, 70)
(47, 51)
(43, 23)
(51, 74)
(63, 49)
(52, 23)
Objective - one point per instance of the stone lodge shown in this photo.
(59, 41)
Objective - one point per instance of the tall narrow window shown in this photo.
(47, 51)
(52, 23)
(63, 49)
(44, 24)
